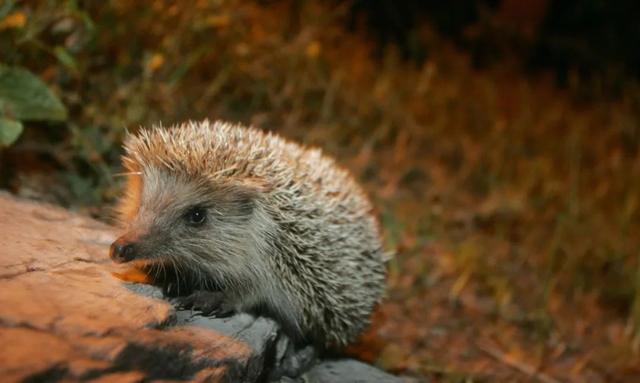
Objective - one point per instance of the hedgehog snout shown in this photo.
(122, 250)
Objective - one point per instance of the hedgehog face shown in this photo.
(178, 221)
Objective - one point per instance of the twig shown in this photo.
(514, 363)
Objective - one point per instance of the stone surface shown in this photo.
(348, 371)
(64, 316)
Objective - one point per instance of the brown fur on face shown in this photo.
(286, 229)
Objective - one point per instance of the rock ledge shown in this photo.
(65, 317)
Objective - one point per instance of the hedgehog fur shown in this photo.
(286, 231)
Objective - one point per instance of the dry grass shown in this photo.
(513, 205)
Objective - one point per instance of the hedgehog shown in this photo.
(248, 221)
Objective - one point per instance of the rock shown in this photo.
(348, 371)
(64, 316)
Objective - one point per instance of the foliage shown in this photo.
(24, 97)
(9, 131)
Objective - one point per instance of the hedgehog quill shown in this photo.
(247, 221)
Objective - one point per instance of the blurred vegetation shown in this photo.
(513, 202)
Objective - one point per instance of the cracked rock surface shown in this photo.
(65, 317)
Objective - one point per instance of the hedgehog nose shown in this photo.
(122, 251)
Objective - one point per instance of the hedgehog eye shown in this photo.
(196, 216)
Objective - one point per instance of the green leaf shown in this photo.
(9, 131)
(23, 96)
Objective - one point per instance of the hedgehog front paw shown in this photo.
(209, 303)
(175, 289)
